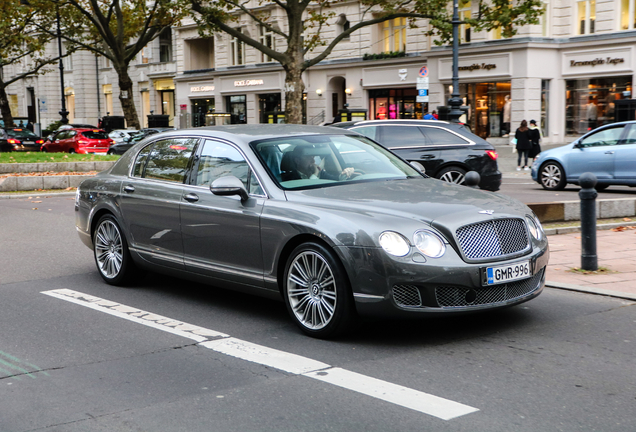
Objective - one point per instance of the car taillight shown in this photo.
(13, 141)
(40, 141)
(82, 142)
(493, 154)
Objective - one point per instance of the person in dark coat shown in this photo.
(523, 145)
(535, 139)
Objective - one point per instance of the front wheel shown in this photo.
(317, 291)
(111, 252)
(452, 175)
(552, 176)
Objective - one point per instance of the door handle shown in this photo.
(427, 156)
(191, 197)
(609, 152)
(129, 188)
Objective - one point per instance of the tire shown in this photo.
(317, 292)
(452, 174)
(71, 151)
(112, 256)
(552, 176)
(43, 150)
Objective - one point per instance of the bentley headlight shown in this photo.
(394, 244)
(429, 243)
(535, 227)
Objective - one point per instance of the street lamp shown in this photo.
(63, 112)
(455, 102)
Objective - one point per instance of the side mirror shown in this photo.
(578, 145)
(227, 186)
(418, 166)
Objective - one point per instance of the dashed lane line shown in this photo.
(444, 409)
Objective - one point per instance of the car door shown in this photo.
(67, 142)
(150, 200)
(221, 234)
(56, 145)
(452, 148)
(595, 153)
(625, 156)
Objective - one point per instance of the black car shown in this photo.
(446, 150)
(120, 148)
(19, 139)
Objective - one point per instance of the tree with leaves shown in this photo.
(305, 19)
(22, 46)
(119, 30)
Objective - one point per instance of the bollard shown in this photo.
(472, 179)
(588, 195)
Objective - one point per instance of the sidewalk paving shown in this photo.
(616, 252)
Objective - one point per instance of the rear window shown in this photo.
(22, 133)
(95, 134)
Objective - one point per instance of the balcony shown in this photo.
(161, 70)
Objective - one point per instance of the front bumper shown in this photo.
(401, 287)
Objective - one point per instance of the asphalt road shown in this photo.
(561, 362)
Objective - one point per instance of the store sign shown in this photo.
(597, 61)
(200, 89)
(477, 66)
(248, 83)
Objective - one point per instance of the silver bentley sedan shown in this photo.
(324, 218)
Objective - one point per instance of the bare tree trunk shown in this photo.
(126, 98)
(5, 108)
(294, 89)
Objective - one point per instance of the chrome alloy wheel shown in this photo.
(109, 249)
(456, 177)
(311, 290)
(551, 176)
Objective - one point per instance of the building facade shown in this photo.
(566, 73)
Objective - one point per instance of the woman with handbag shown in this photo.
(523, 145)
(535, 139)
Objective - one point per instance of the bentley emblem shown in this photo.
(488, 212)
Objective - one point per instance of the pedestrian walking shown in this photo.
(429, 116)
(523, 145)
(535, 139)
(435, 115)
(29, 126)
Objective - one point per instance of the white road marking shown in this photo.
(291, 363)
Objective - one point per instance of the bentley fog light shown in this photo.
(394, 244)
(429, 243)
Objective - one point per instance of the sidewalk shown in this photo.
(616, 252)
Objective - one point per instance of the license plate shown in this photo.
(29, 142)
(507, 273)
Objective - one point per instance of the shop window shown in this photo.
(586, 17)
(591, 102)
(269, 108)
(395, 104)
(465, 12)
(394, 35)
(628, 18)
(545, 98)
(237, 106)
(237, 47)
(199, 53)
(266, 37)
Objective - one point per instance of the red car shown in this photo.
(78, 140)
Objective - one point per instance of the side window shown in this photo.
(140, 163)
(606, 137)
(368, 131)
(218, 160)
(630, 138)
(437, 136)
(60, 135)
(70, 134)
(402, 136)
(168, 159)
(255, 187)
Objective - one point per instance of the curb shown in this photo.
(588, 290)
(571, 210)
(10, 168)
(29, 183)
(26, 196)
(599, 227)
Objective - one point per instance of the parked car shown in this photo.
(365, 233)
(122, 147)
(446, 150)
(121, 135)
(19, 139)
(609, 152)
(78, 141)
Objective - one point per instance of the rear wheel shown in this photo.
(317, 292)
(552, 176)
(71, 150)
(111, 252)
(455, 175)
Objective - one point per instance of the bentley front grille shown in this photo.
(492, 239)
(407, 296)
(458, 297)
